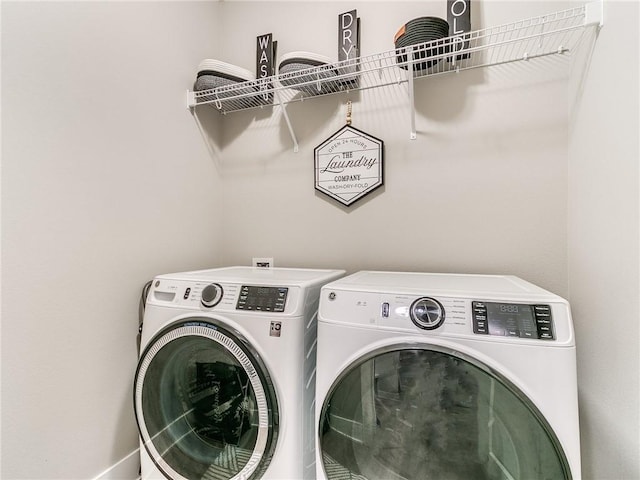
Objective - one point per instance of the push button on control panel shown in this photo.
(480, 322)
(544, 322)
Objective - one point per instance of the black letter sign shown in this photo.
(264, 65)
(459, 18)
(348, 43)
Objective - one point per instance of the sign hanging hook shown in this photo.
(349, 109)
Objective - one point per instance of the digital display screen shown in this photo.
(265, 299)
(511, 319)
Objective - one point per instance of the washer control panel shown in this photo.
(262, 298)
(513, 320)
(225, 297)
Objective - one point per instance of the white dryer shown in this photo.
(440, 376)
(224, 386)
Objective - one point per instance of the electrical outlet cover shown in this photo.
(262, 262)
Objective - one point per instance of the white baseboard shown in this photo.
(127, 468)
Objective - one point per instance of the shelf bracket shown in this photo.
(286, 118)
(594, 13)
(191, 99)
(412, 106)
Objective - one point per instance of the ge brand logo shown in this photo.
(276, 328)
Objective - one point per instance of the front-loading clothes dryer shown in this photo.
(224, 386)
(442, 376)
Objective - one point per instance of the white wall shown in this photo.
(604, 215)
(482, 189)
(105, 182)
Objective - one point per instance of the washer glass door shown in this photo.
(419, 413)
(205, 404)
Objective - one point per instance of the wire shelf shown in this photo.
(551, 34)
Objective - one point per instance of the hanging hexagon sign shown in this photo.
(348, 165)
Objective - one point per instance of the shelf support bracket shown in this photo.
(191, 99)
(594, 13)
(412, 106)
(286, 118)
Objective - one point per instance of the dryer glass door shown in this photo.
(205, 404)
(419, 413)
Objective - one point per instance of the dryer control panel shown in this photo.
(513, 320)
(495, 309)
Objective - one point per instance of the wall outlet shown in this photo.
(262, 262)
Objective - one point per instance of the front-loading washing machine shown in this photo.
(443, 376)
(224, 387)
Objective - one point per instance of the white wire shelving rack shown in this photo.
(556, 33)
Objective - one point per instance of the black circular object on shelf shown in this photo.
(427, 33)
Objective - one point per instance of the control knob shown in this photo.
(211, 295)
(427, 313)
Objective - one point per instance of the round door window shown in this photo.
(415, 413)
(205, 404)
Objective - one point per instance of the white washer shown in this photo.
(223, 388)
(442, 376)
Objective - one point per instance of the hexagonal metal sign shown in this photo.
(348, 165)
